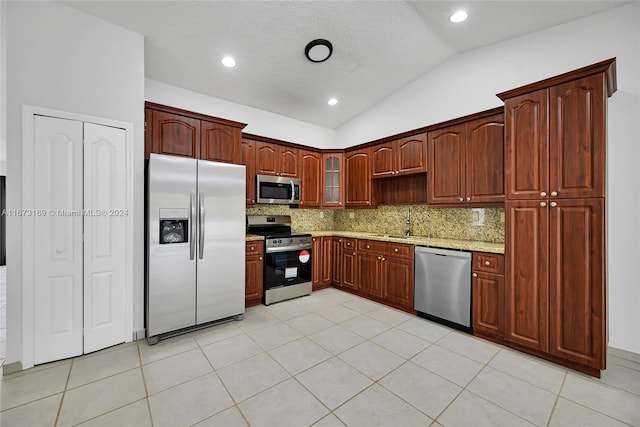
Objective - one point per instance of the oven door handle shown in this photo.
(288, 249)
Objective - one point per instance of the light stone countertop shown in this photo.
(436, 242)
(252, 237)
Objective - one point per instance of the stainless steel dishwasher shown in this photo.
(443, 286)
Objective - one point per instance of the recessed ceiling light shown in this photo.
(318, 50)
(228, 62)
(332, 101)
(458, 16)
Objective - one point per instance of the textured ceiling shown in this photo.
(379, 46)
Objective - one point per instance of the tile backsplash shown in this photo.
(484, 224)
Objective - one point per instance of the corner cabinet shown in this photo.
(332, 195)
(177, 132)
(555, 281)
(358, 192)
(466, 163)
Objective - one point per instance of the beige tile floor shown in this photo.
(330, 359)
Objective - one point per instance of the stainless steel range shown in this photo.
(287, 260)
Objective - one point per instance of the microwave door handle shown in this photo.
(293, 191)
(192, 229)
(201, 226)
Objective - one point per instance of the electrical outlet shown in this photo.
(321, 214)
(475, 216)
(352, 215)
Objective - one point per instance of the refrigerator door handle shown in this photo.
(192, 229)
(201, 225)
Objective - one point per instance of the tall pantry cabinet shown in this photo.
(555, 281)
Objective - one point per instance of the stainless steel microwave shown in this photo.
(277, 190)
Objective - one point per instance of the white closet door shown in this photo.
(58, 239)
(104, 236)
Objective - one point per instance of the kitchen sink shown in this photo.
(397, 236)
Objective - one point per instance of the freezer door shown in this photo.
(221, 242)
(171, 232)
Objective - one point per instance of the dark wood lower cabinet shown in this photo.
(370, 274)
(253, 288)
(397, 281)
(349, 268)
(487, 287)
(336, 269)
(322, 262)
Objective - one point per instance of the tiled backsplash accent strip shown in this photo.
(301, 219)
(451, 223)
(446, 223)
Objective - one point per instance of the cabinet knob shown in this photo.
(487, 263)
(368, 247)
(395, 250)
(461, 199)
(368, 202)
(543, 204)
(397, 172)
(354, 254)
(553, 204)
(468, 199)
(251, 248)
(260, 258)
(384, 259)
(475, 274)
(253, 200)
(379, 257)
(554, 193)
(543, 194)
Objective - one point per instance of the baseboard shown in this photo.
(624, 354)
(10, 368)
(139, 335)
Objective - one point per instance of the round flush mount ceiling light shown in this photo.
(318, 50)
(228, 62)
(458, 16)
(332, 101)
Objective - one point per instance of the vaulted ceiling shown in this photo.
(379, 46)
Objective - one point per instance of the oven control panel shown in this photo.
(288, 243)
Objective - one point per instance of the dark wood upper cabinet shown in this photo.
(177, 132)
(411, 154)
(526, 162)
(383, 161)
(174, 135)
(248, 159)
(267, 161)
(446, 181)
(577, 138)
(274, 159)
(310, 170)
(466, 163)
(219, 142)
(399, 157)
(484, 160)
(358, 179)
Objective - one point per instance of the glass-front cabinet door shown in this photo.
(332, 180)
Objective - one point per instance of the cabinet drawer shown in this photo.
(489, 263)
(371, 246)
(254, 247)
(348, 243)
(384, 248)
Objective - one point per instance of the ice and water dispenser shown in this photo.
(174, 226)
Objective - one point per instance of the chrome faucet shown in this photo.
(406, 229)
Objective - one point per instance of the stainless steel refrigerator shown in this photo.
(195, 243)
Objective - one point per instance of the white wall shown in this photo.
(259, 122)
(468, 83)
(65, 60)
